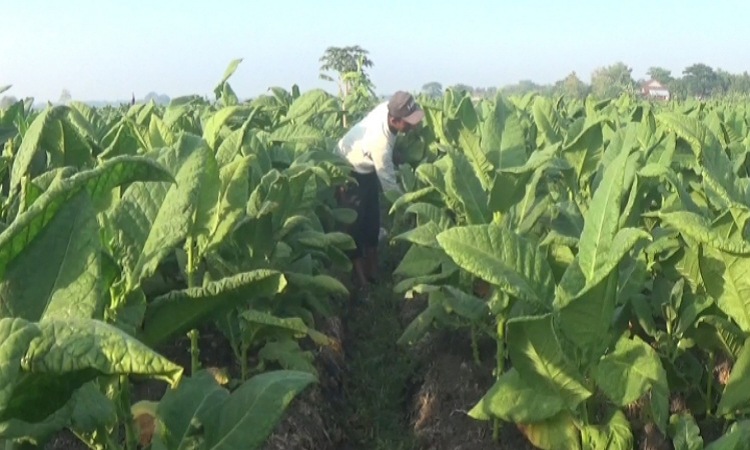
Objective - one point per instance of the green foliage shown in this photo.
(152, 221)
(611, 240)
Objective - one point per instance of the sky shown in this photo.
(108, 50)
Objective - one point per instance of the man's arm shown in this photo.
(386, 172)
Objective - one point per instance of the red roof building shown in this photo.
(656, 90)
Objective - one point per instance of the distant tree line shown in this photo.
(697, 81)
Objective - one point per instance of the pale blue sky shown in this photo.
(106, 49)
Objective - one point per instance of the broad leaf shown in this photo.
(556, 433)
(501, 257)
(614, 434)
(67, 284)
(736, 393)
(151, 219)
(182, 411)
(630, 371)
(513, 399)
(250, 414)
(699, 229)
(684, 432)
(32, 141)
(178, 311)
(536, 353)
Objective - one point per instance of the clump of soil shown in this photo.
(310, 422)
(451, 385)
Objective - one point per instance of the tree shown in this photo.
(65, 97)
(523, 87)
(7, 101)
(433, 89)
(701, 80)
(343, 60)
(612, 81)
(572, 86)
(459, 87)
(740, 84)
(723, 82)
(660, 74)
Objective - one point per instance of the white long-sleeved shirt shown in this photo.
(368, 146)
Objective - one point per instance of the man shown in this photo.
(368, 146)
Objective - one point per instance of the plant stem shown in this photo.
(195, 363)
(709, 382)
(500, 349)
(131, 440)
(475, 345)
(244, 347)
(499, 369)
(190, 262)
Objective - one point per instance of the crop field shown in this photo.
(560, 274)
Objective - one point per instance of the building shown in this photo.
(654, 89)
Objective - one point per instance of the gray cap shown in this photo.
(402, 106)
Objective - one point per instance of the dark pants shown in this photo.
(364, 198)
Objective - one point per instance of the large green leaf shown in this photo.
(727, 280)
(718, 174)
(503, 138)
(32, 143)
(736, 393)
(503, 258)
(547, 122)
(419, 261)
(178, 311)
(320, 284)
(232, 146)
(294, 133)
(699, 229)
(583, 147)
(92, 411)
(423, 235)
(71, 345)
(151, 219)
(601, 225)
(249, 415)
(736, 438)
(289, 355)
(469, 142)
(587, 320)
(614, 434)
(684, 432)
(463, 183)
(556, 433)
(587, 313)
(631, 370)
(536, 353)
(456, 301)
(311, 104)
(182, 411)
(68, 353)
(15, 337)
(230, 209)
(214, 125)
(221, 89)
(60, 228)
(67, 284)
(513, 399)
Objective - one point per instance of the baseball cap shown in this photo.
(403, 106)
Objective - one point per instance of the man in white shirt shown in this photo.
(368, 146)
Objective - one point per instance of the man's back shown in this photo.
(368, 146)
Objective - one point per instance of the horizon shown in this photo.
(109, 51)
